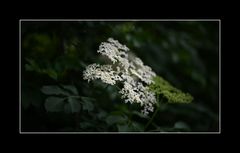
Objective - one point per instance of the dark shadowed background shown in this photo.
(55, 97)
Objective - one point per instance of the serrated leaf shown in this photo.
(54, 104)
(53, 90)
(71, 88)
(74, 104)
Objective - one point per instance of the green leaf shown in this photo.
(87, 104)
(137, 126)
(67, 108)
(87, 99)
(102, 114)
(28, 67)
(132, 127)
(140, 114)
(181, 125)
(74, 104)
(54, 104)
(71, 88)
(32, 66)
(123, 128)
(53, 90)
(52, 73)
(85, 125)
(115, 119)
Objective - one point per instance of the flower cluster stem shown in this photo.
(153, 116)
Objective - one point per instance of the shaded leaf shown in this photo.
(115, 119)
(32, 66)
(67, 108)
(71, 88)
(86, 99)
(137, 126)
(132, 127)
(87, 103)
(140, 114)
(88, 106)
(102, 114)
(54, 104)
(28, 67)
(181, 125)
(123, 128)
(52, 73)
(85, 125)
(74, 104)
(53, 90)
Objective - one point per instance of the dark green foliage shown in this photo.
(87, 103)
(54, 104)
(54, 97)
(53, 90)
(74, 104)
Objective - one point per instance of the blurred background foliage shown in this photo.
(56, 98)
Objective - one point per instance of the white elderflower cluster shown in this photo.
(127, 69)
(103, 72)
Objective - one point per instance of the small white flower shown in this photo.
(128, 70)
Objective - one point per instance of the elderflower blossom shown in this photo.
(126, 69)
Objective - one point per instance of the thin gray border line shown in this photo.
(219, 21)
(74, 20)
(119, 132)
(219, 77)
(20, 74)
